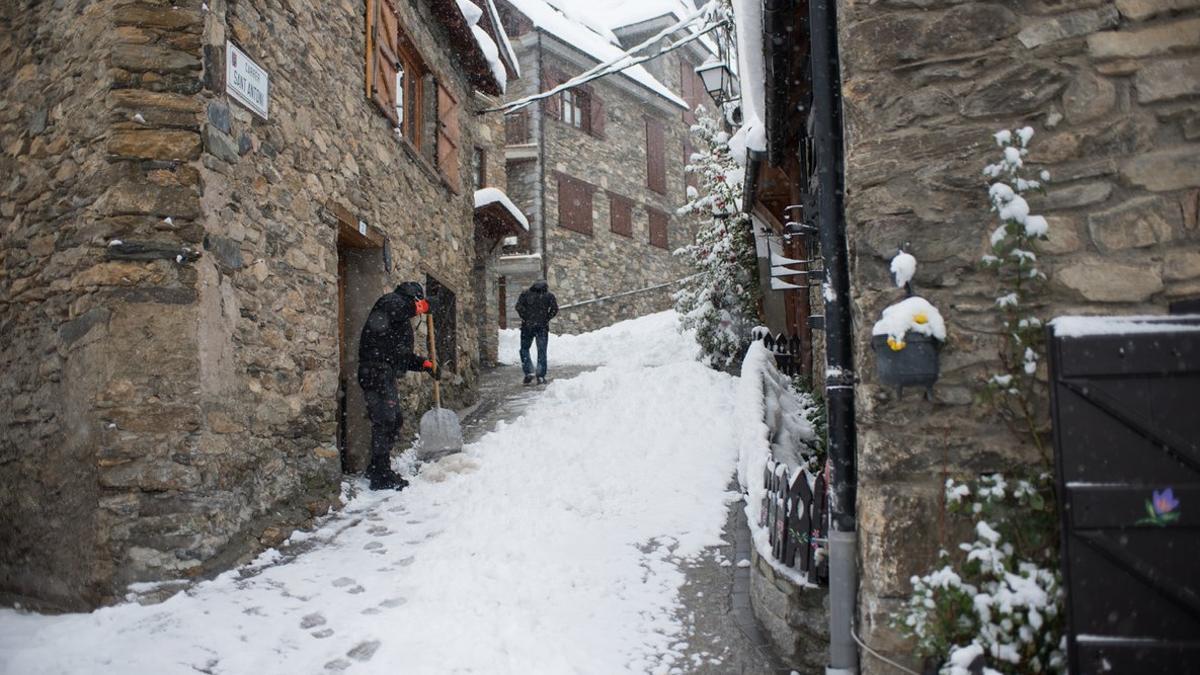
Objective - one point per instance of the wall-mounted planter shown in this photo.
(915, 365)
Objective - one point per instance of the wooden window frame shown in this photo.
(406, 67)
(620, 204)
(448, 138)
(566, 186)
(575, 108)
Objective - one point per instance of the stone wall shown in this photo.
(170, 279)
(796, 617)
(1113, 89)
(583, 267)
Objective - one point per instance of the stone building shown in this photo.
(598, 169)
(1113, 91)
(183, 276)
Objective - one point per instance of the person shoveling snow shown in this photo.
(385, 351)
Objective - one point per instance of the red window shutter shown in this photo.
(448, 137)
(656, 170)
(387, 59)
(658, 228)
(574, 204)
(596, 115)
(620, 213)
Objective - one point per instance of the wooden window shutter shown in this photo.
(551, 78)
(620, 214)
(386, 37)
(656, 169)
(658, 227)
(574, 204)
(448, 138)
(596, 115)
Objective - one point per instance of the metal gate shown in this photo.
(1126, 412)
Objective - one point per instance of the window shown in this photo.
(574, 204)
(620, 214)
(395, 72)
(656, 168)
(658, 227)
(575, 108)
(480, 167)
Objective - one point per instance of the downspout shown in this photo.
(839, 357)
(540, 113)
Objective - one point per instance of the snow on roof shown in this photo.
(752, 75)
(1083, 326)
(491, 195)
(617, 14)
(510, 55)
(580, 30)
(473, 13)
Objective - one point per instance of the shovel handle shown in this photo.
(437, 386)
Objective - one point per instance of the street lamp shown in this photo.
(718, 80)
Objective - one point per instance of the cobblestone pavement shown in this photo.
(716, 599)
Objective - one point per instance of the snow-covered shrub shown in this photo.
(1015, 390)
(721, 301)
(1000, 597)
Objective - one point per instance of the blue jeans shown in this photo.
(528, 334)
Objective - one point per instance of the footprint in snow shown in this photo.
(337, 665)
(363, 651)
(323, 633)
(343, 581)
(312, 621)
(371, 546)
(405, 562)
(371, 611)
(391, 603)
(356, 590)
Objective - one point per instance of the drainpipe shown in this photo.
(539, 112)
(839, 357)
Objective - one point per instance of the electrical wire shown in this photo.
(879, 656)
(620, 63)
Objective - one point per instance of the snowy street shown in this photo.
(555, 543)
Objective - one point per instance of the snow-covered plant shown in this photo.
(721, 301)
(912, 315)
(998, 599)
(1015, 390)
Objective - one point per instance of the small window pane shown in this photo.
(400, 96)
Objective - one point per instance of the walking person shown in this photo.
(536, 306)
(385, 352)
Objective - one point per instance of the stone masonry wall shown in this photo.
(171, 414)
(52, 162)
(1113, 89)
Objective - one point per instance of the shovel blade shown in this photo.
(441, 434)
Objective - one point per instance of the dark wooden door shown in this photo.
(1127, 448)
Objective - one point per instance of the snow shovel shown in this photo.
(441, 434)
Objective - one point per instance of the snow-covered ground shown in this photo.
(552, 545)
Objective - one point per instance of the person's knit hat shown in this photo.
(412, 289)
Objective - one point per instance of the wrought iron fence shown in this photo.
(788, 352)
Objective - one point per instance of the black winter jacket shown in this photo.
(537, 305)
(386, 343)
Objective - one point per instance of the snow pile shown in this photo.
(472, 13)
(491, 195)
(552, 545)
(1083, 326)
(767, 408)
(654, 338)
(903, 267)
(914, 314)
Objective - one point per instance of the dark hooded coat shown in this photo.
(537, 305)
(385, 348)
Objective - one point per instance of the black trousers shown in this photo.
(378, 382)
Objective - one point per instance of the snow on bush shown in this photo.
(720, 303)
(1000, 599)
